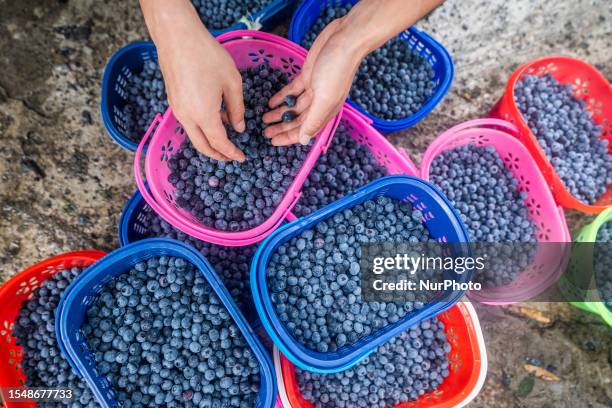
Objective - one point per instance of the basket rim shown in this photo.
(141, 250)
(557, 185)
(334, 362)
(8, 287)
(385, 125)
(285, 368)
(440, 144)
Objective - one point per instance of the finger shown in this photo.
(279, 128)
(234, 103)
(288, 138)
(225, 118)
(217, 137)
(320, 112)
(201, 144)
(302, 104)
(295, 87)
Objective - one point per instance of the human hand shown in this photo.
(322, 87)
(200, 75)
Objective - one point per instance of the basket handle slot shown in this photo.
(140, 177)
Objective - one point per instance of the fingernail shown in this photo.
(305, 139)
(241, 126)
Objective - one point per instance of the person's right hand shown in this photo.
(200, 75)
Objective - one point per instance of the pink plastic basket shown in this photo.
(359, 126)
(248, 49)
(549, 218)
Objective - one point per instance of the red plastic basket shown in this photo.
(468, 365)
(12, 294)
(588, 84)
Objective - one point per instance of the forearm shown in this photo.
(371, 23)
(171, 22)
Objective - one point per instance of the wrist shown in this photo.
(353, 43)
(174, 23)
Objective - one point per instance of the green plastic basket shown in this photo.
(582, 260)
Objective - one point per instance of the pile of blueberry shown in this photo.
(43, 363)
(231, 263)
(146, 97)
(603, 263)
(314, 278)
(568, 135)
(485, 194)
(163, 338)
(393, 82)
(220, 14)
(412, 364)
(346, 166)
(232, 196)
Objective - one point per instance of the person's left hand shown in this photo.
(321, 88)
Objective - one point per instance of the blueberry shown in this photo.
(304, 274)
(567, 133)
(179, 357)
(390, 376)
(346, 166)
(220, 14)
(492, 215)
(146, 97)
(232, 196)
(288, 116)
(43, 364)
(290, 101)
(392, 82)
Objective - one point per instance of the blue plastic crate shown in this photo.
(83, 291)
(131, 58)
(437, 56)
(265, 18)
(444, 224)
(131, 227)
(122, 64)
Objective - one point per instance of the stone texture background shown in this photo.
(64, 182)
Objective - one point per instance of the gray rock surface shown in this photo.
(63, 182)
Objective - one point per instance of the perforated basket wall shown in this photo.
(547, 216)
(468, 365)
(589, 85)
(248, 49)
(437, 56)
(126, 62)
(19, 289)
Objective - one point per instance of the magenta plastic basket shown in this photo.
(248, 49)
(549, 218)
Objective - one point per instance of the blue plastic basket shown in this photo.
(442, 221)
(122, 64)
(131, 227)
(264, 19)
(437, 56)
(82, 292)
(131, 58)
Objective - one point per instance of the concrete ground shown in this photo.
(64, 182)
